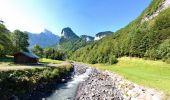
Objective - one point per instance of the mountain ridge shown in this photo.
(43, 39)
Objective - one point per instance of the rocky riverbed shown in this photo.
(104, 85)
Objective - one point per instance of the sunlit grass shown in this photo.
(155, 74)
(19, 67)
(49, 61)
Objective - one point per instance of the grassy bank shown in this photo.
(19, 81)
(155, 74)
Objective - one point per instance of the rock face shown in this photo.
(67, 33)
(69, 40)
(100, 35)
(87, 38)
(43, 39)
(104, 85)
(165, 5)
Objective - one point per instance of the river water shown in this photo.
(67, 91)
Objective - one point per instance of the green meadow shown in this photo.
(154, 74)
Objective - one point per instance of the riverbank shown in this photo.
(104, 85)
(32, 83)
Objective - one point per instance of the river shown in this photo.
(67, 91)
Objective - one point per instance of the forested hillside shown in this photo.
(149, 39)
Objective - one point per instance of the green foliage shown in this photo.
(20, 41)
(37, 50)
(52, 53)
(151, 54)
(5, 42)
(164, 50)
(112, 59)
(71, 44)
(11, 43)
(19, 82)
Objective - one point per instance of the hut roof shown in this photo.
(29, 54)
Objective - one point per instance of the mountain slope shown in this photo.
(139, 38)
(43, 39)
(87, 38)
(69, 40)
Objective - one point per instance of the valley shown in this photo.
(114, 61)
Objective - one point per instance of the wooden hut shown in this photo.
(25, 58)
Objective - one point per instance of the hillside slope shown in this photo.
(150, 39)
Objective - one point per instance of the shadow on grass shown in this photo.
(6, 59)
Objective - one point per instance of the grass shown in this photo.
(155, 74)
(49, 61)
(19, 68)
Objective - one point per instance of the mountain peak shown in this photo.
(43, 39)
(68, 33)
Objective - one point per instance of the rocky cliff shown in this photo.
(164, 5)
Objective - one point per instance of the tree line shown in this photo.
(50, 53)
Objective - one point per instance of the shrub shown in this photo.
(151, 54)
(164, 49)
(113, 59)
(20, 82)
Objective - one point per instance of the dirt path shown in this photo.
(18, 67)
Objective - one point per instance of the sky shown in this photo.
(85, 17)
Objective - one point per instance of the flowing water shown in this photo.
(67, 91)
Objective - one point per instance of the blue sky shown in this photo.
(83, 16)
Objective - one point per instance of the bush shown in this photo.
(151, 54)
(167, 58)
(20, 82)
(113, 59)
(164, 49)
